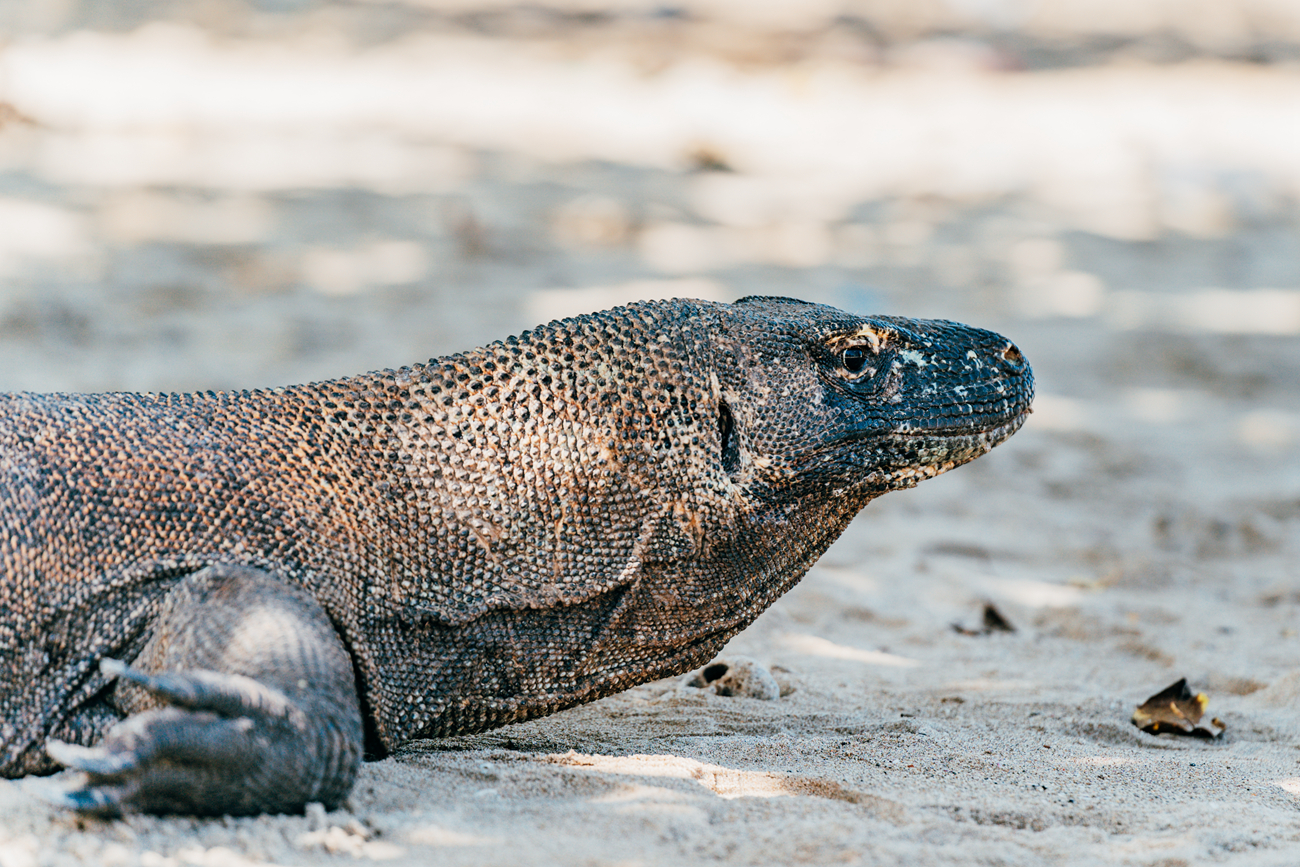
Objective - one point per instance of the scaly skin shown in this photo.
(445, 548)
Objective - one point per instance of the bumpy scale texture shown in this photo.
(448, 547)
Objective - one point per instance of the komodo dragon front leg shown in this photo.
(242, 701)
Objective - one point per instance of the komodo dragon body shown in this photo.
(295, 576)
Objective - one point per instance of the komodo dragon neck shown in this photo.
(578, 479)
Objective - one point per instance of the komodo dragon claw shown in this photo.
(166, 760)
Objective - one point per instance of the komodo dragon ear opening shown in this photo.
(730, 449)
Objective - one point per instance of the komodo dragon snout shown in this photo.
(216, 603)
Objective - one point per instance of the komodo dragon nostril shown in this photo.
(1011, 356)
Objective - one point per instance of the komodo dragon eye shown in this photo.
(854, 359)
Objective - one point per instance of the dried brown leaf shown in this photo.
(1175, 710)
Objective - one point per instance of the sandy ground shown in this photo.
(1125, 210)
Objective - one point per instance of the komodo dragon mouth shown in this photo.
(945, 451)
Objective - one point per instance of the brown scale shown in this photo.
(483, 539)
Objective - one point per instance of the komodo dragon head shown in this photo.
(814, 401)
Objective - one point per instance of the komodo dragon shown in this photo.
(295, 576)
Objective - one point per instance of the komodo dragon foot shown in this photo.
(253, 707)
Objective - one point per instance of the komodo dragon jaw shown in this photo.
(291, 576)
